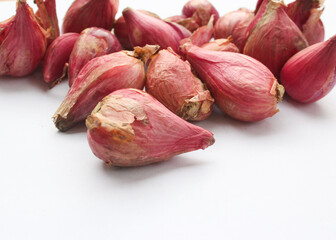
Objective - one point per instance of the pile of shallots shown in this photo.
(183, 70)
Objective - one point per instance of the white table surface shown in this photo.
(274, 179)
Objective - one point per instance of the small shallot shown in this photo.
(23, 42)
(144, 29)
(83, 14)
(311, 74)
(130, 128)
(243, 87)
(57, 57)
(121, 30)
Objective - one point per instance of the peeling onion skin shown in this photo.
(57, 57)
(200, 11)
(259, 3)
(242, 87)
(47, 18)
(97, 79)
(306, 14)
(144, 29)
(277, 34)
(243, 30)
(92, 42)
(202, 35)
(170, 80)
(311, 74)
(130, 128)
(222, 44)
(225, 25)
(314, 28)
(83, 14)
(183, 27)
(22, 43)
(189, 23)
(175, 19)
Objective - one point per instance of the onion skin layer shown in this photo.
(47, 18)
(170, 80)
(224, 45)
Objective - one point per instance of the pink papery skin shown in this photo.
(175, 19)
(306, 15)
(170, 80)
(225, 25)
(180, 30)
(92, 42)
(259, 3)
(275, 38)
(83, 14)
(187, 23)
(200, 11)
(202, 35)
(22, 43)
(311, 74)
(242, 31)
(144, 29)
(130, 128)
(47, 18)
(313, 30)
(121, 30)
(98, 78)
(223, 45)
(243, 87)
(56, 58)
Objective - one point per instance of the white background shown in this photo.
(273, 179)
